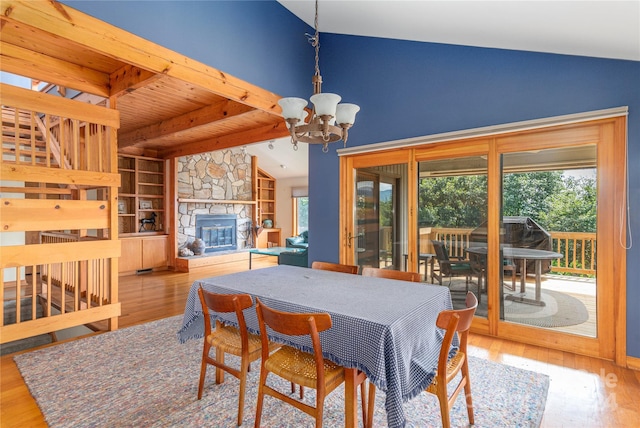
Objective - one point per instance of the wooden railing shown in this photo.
(579, 251)
(74, 285)
(59, 173)
(578, 248)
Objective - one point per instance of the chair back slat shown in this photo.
(335, 267)
(293, 324)
(226, 302)
(391, 274)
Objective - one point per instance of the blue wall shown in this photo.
(409, 89)
(257, 41)
(405, 89)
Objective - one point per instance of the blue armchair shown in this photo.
(300, 241)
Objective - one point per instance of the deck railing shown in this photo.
(578, 248)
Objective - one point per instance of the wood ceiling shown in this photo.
(169, 105)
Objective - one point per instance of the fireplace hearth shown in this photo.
(218, 231)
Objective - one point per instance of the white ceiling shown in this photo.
(282, 161)
(604, 29)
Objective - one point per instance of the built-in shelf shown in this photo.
(266, 198)
(142, 192)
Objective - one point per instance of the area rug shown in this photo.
(142, 376)
(560, 309)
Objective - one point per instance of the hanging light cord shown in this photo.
(314, 40)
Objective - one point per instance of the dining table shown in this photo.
(383, 329)
(524, 254)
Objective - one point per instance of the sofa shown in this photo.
(294, 258)
(300, 241)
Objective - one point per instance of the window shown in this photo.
(300, 214)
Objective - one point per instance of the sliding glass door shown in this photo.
(379, 215)
(452, 216)
(533, 219)
(548, 239)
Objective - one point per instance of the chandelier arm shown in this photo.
(319, 140)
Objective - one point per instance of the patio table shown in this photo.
(524, 254)
(383, 328)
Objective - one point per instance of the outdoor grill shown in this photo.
(521, 232)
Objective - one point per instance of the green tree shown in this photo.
(528, 193)
(573, 208)
(458, 201)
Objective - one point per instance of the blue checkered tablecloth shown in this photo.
(386, 328)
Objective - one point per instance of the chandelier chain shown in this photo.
(316, 42)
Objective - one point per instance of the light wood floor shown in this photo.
(584, 392)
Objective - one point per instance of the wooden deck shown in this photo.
(583, 289)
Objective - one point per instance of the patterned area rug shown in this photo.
(142, 376)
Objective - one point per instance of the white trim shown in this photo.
(487, 130)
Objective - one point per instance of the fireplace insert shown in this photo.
(217, 231)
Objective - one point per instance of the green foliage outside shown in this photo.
(557, 202)
(303, 214)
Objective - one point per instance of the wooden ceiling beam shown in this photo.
(187, 122)
(28, 63)
(106, 39)
(250, 136)
(129, 78)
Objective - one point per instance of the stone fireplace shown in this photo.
(215, 184)
(217, 231)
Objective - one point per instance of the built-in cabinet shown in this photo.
(142, 213)
(269, 238)
(143, 253)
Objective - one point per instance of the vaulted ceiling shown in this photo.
(162, 112)
(596, 28)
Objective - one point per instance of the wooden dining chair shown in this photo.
(230, 340)
(336, 267)
(452, 321)
(310, 370)
(391, 274)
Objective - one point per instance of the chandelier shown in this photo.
(321, 127)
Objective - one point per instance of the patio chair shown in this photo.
(450, 266)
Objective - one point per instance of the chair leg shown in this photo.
(243, 386)
(467, 390)
(203, 368)
(319, 409)
(219, 371)
(444, 408)
(260, 401)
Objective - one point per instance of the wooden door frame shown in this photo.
(610, 136)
